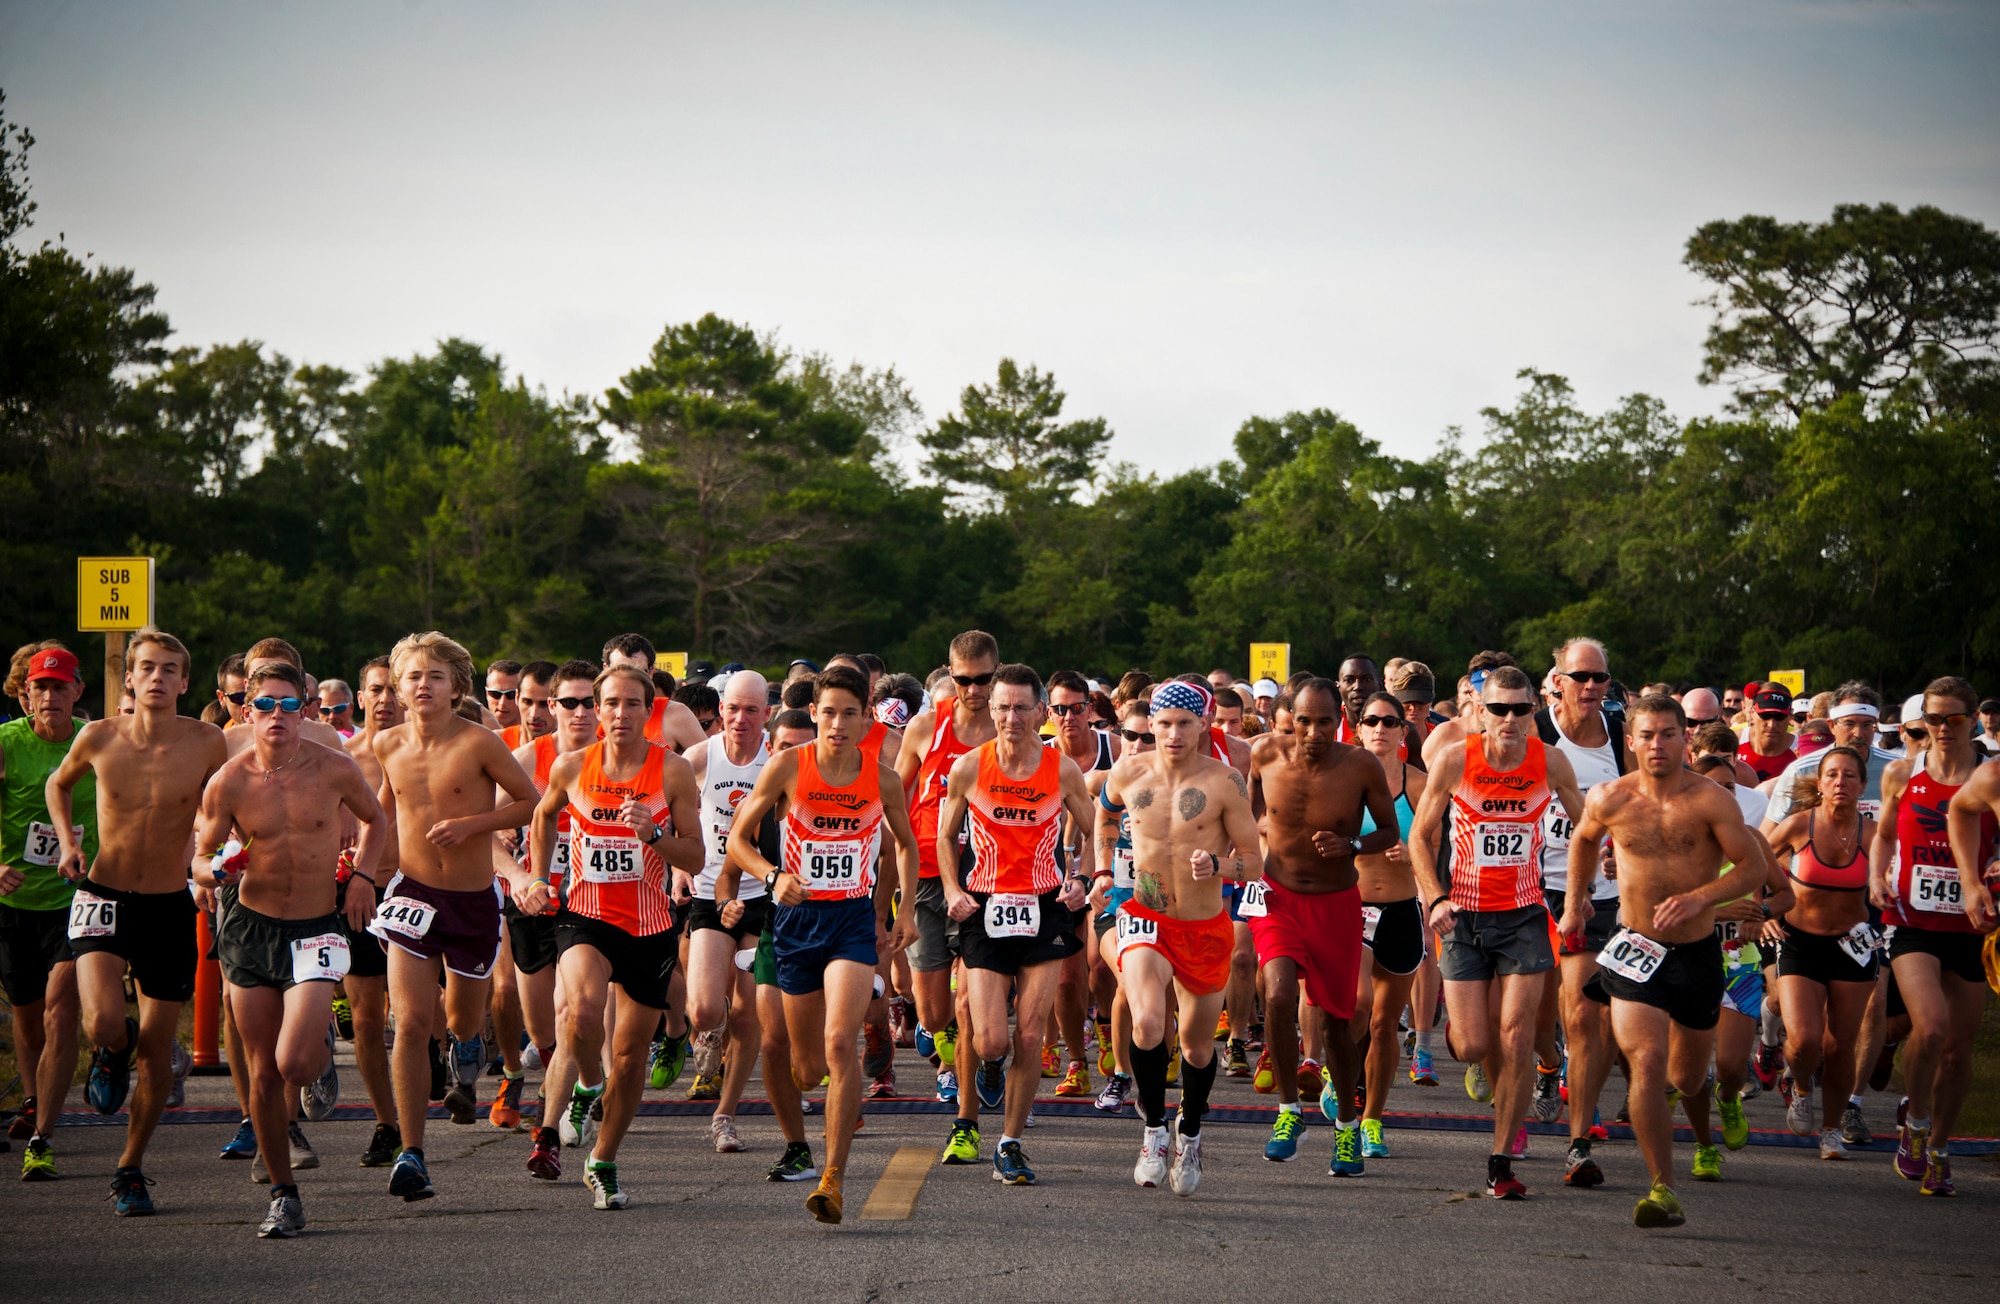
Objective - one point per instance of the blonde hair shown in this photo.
(437, 647)
(160, 638)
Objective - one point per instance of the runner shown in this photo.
(671, 724)
(367, 981)
(336, 706)
(132, 907)
(616, 928)
(1305, 913)
(1092, 751)
(273, 815)
(1111, 888)
(1826, 957)
(531, 702)
(36, 965)
(1935, 950)
(503, 691)
(1767, 749)
(727, 920)
(1662, 973)
(1494, 921)
(441, 911)
(1015, 912)
(1192, 829)
(832, 911)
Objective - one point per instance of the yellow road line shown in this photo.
(895, 1195)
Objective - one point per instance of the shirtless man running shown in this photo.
(281, 946)
(132, 906)
(367, 981)
(1192, 830)
(439, 775)
(1662, 973)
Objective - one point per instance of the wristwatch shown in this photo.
(658, 833)
(771, 880)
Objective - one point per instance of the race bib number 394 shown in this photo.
(319, 959)
(1632, 956)
(91, 916)
(1013, 914)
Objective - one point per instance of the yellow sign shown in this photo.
(675, 664)
(1793, 680)
(114, 593)
(1271, 661)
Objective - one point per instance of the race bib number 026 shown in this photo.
(1632, 956)
(319, 959)
(1013, 914)
(1502, 846)
(91, 916)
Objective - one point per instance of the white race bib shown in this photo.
(1859, 942)
(1502, 846)
(1370, 917)
(1250, 900)
(559, 857)
(319, 959)
(1134, 931)
(1013, 914)
(832, 868)
(1121, 868)
(611, 858)
(1632, 956)
(404, 916)
(1935, 888)
(91, 916)
(43, 846)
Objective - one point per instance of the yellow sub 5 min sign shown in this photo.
(114, 593)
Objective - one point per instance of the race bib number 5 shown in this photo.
(319, 959)
(1502, 846)
(1632, 956)
(91, 916)
(1013, 914)
(1134, 931)
(403, 916)
(1935, 888)
(611, 859)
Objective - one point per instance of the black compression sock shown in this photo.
(1195, 1085)
(1149, 1074)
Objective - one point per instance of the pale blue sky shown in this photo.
(1190, 213)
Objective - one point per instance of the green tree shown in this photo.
(1007, 451)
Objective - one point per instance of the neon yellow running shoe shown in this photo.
(1660, 1208)
(1476, 1084)
(1707, 1164)
(946, 1039)
(1735, 1128)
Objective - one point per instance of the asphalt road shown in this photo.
(1781, 1225)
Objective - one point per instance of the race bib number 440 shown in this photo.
(403, 916)
(91, 916)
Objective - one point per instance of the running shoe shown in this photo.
(576, 1126)
(258, 1173)
(1937, 1176)
(1735, 1128)
(1519, 1149)
(1598, 1132)
(722, 1135)
(110, 1075)
(947, 1086)
(1286, 1132)
(1476, 1085)
(1107, 1063)
(1707, 1163)
(506, 1111)
(1076, 1080)
(900, 1024)
(946, 1039)
(1830, 1144)
(286, 1219)
(410, 1179)
(343, 1017)
(1185, 1177)
(1798, 1106)
(962, 1146)
(1751, 1088)
(1238, 1064)
(303, 1155)
(878, 1050)
(926, 1044)
(824, 1203)
(602, 1179)
(1579, 1169)
(1548, 1095)
(1422, 1072)
(23, 1125)
(1372, 1144)
(183, 1064)
(705, 1087)
(1660, 1208)
(1854, 1128)
(1222, 1027)
(128, 1190)
(1346, 1153)
(468, 1057)
(1311, 1079)
(545, 1160)
(665, 1061)
(1501, 1183)
(795, 1165)
(883, 1087)
(1052, 1065)
(1112, 1099)
(1912, 1157)
(1010, 1165)
(992, 1083)
(318, 1097)
(383, 1146)
(38, 1163)
(1766, 1065)
(243, 1145)
(708, 1046)
(1151, 1170)
(1266, 1079)
(1329, 1100)
(1902, 1111)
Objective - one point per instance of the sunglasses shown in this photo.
(1384, 722)
(338, 708)
(1101, 725)
(574, 703)
(1914, 731)
(1509, 708)
(235, 699)
(502, 694)
(1068, 708)
(1774, 715)
(289, 705)
(1953, 721)
(706, 722)
(973, 681)
(1698, 724)
(1133, 736)
(1586, 676)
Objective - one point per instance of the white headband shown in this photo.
(1846, 709)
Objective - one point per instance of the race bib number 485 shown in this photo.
(610, 859)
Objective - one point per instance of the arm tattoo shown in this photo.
(1147, 890)
(1193, 801)
(1142, 799)
(1242, 784)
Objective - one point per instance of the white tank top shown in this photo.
(723, 788)
(1593, 765)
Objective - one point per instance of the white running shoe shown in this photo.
(1186, 1177)
(722, 1131)
(1151, 1170)
(1830, 1144)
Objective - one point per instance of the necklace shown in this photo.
(275, 768)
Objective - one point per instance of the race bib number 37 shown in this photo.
(42, 846)
(91, 916)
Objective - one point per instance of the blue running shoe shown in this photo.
(128, 1188)
(1010, 1165)
(947, 1086)
(1329, 1101)
(926, 1044)
(111, 1073)
(992, 1083)
(244, 1144)
(1283, 1147)
(1346, 1153)
(1372, 1144)
(409, 1178)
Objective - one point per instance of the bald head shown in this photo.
(1702, 706)
(747, 686)
(746, 705)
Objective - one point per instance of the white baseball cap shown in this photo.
(1265, 688)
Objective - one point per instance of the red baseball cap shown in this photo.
(54, 663)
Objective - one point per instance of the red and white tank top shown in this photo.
(1927, 888)
(1851, 875)
(545, 758)
(1016, 824)
(614, 876)
(932, 776)
(832, 833)
(1496, 830)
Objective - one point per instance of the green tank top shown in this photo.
(27, 837)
